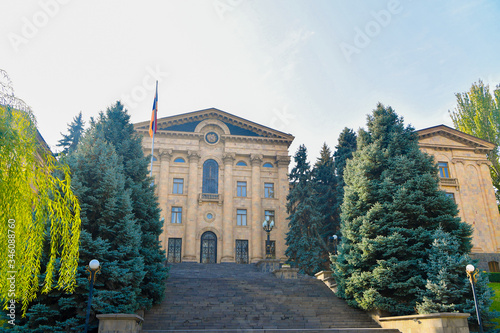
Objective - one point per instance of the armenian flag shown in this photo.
(154, 114)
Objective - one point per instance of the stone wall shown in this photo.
(449, 322)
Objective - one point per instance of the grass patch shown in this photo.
(496, 300)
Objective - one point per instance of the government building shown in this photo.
(219, 177)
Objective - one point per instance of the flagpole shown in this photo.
(155, 106)
(152, 150)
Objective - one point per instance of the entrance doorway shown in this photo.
(208, 252)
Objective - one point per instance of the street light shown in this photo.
(335, 243)
(471, 274)
(268, 226)
(92, 268)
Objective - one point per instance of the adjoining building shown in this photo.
(464, 175)
(218, 178)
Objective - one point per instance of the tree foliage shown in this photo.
(120, 228)
(119, 132)
(344, 150)
(39, 206)
(478, 113)
(305, 246)
(325, 189)
(69, 142)
(346, 146)
(391, 210)
(448, 288)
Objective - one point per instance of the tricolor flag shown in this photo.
(154, 114)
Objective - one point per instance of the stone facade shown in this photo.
(218, 176)
(465, 176)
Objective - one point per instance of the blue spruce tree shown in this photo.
(392, 208)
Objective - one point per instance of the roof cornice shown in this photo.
(471, 142)
(267, 134)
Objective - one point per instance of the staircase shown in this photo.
(239, 298)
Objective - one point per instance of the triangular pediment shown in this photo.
(447, 137)
(235, 126)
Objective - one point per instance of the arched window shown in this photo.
(210, 177)
(179, 160)
(241, 163)
(268, 165)
(155, 159)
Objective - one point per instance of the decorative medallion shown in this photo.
(211, 138)
(209, 216)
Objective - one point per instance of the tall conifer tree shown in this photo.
(69, 142)
(325, 189)
(346, 146)
(120, 222)
(118, 131)
(304, 247)
(110, 233)
(391, 210)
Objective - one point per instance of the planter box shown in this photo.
(119, 323)
(286, 273)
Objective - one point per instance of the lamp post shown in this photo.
(268, 226)
(335, 243)
(471, 274)
(92, 268)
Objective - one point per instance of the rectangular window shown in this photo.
(268, 190)
(241, 217)
(177, 215)
(443, 170)
(270, 213)
(174, 250)
(450, 195)
(241, 189)
(178, 186)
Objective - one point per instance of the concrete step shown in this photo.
(270, 330)
(240, 298)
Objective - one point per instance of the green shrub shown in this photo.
(494, 277)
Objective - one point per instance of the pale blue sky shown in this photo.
(308, 68)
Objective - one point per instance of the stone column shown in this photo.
(256, 219)
(280, 192)
(491, 210)
(163, 190)
(191, 221)
(227, 218)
